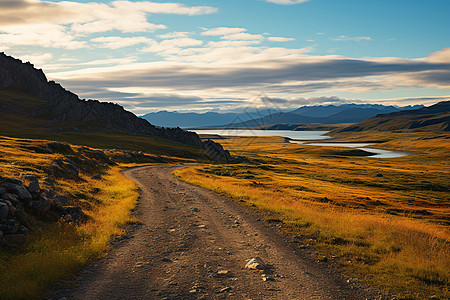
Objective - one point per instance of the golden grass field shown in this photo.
(386, 221)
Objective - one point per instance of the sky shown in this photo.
(223, 55)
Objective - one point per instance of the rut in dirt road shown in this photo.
(194, 244)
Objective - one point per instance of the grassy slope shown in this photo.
(56, 249)
(374, 225)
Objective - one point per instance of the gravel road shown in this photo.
(194, 244)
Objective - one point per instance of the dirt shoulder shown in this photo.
(194, 244)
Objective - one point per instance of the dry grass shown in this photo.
(374, 225)
(57, 249)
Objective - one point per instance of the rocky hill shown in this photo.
(65, 111)
(434, 118)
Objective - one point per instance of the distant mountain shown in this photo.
(330, 114)
(193, 120)
(327, 110)
(59, 110)
(435, 118)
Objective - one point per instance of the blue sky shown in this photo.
(203, 55)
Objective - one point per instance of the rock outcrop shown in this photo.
(17, 198)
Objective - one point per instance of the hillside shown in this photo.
(32, 106)
(432, 118)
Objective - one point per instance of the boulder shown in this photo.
(34, 187)
(216, 152)
(40, 207)
(12, 180)
(23, 230)
(19, 190)
(256, 263)
(9, 226)
(97, 177)
(60, 147)
(65, 168)
(4, 211)
(61, 199)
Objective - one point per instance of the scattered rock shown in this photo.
(65, 168)
(325, 200)
(223, 273)
(47, 151)
(61, 199)
(41, 206)
(195, 209)
(19, 190)
(256, 263)
(12, 180)
(225, 289)
(9, 227)
(34, 187)
(377, 203)
(60, 147)
(4, 211)
(423, 212)
(165, 259)
(266, 277)
(97, 177)
(23, 230)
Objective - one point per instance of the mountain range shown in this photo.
(432, 118)
(318, 114)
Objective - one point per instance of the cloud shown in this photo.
(172, 35)
(222, 31)
(287, 2)
(64, 24)
(243, 36)
(277, 71)
(44, 35)
(67, 12)
(280, 39)
(356, 39)
(116, 42)
(171, 46)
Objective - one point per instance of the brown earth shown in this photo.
(194, 244)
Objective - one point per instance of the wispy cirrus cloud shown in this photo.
(287, 2)
(279, 39)
(222, 31)
(355, 39)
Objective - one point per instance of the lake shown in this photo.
(298, 137)
(377, 153)
(295, 135)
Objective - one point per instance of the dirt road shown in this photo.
(194, 244)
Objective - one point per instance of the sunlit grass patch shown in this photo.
(386, 221)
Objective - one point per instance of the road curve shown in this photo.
(194, 244)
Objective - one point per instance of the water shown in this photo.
(378, 153)
(298, 137)
(295, 135)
